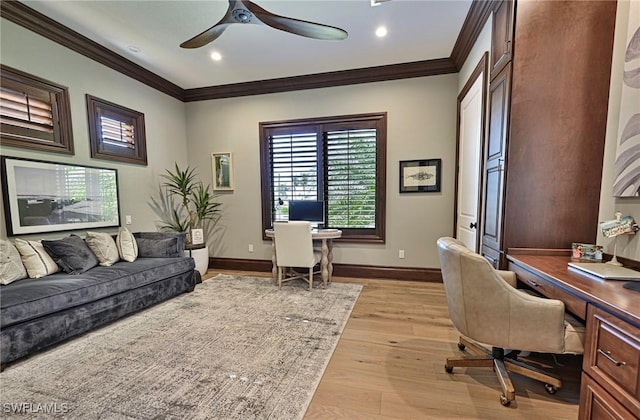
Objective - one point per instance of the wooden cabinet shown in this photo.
(494, 167)
(501, 37)
(612, 366)
(546, 132)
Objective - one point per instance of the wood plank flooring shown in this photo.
(389, 364)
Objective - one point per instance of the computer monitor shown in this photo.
(307, 210)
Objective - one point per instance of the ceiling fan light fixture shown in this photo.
(381, 31)
(216, 56)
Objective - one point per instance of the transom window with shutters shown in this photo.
(115, 132)
(34, 113)
(338, 160)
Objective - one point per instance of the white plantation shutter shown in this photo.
(351, 178)
(294, 169)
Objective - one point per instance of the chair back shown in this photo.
(477, 297)
(294, 244)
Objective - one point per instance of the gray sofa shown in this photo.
(37, 313)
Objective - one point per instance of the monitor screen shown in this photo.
(308, 210)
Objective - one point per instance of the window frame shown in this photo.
(61, 139)
(374, 235)
(96, 108)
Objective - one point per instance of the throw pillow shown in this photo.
(181, 237)
(127, 246)
(104, 247)
(35, 259)
(11, 268)
(158, 248)
(71, 254)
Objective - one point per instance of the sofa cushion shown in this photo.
(35, 259)
(71, 253)
(23, 300)
(104, 247)
(11, 267)
(127, 246)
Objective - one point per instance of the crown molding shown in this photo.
(35, 21)
(322, 80)
(479, 12)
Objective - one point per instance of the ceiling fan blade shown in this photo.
(206, 37)
(296, 26)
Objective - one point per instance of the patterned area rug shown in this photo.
(235, 348)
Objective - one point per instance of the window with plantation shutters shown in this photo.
(34, 113)
(338, 160)
(115, 132)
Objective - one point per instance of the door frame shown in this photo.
(481, 69)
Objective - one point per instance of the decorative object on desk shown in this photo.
(42, 196)
(222, 171)
(627, 164)
(616, 227)
(420, 175)
(184, 204)
(586, 252)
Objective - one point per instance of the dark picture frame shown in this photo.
(41, 196)
(420, 175)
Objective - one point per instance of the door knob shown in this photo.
(473, 225)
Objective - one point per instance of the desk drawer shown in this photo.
(536, 283)
(572, 303)
(612, 356)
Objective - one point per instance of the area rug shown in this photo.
(235, 348)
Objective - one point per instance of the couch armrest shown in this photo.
(509, 277)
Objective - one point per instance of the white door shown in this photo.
(470, 149)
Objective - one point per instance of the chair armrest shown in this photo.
(509, 277)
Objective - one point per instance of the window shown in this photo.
(34, 113)
(115, 132)
(338, 160)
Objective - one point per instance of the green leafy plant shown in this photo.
(185, 203)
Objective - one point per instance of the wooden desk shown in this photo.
(326, 237)
(610, 385)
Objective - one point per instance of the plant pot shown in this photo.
(200, 255)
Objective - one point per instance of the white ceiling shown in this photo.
(417, 30)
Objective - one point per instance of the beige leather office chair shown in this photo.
(485, 307)
(294, 248)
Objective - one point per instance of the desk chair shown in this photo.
(294, 248)
(485, 307)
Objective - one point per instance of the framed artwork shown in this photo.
(42, 196)
(222, 171)
(420, 175)
(627, 164)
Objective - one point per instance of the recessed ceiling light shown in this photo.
(216, 56)
(381, 32)
(133, 49)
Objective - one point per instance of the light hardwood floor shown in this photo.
(389, 364)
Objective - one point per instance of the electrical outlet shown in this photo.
(401, 254)
(250, 247)
(127, 219)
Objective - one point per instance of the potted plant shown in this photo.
(185, 204)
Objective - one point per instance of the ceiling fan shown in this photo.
(245, 11)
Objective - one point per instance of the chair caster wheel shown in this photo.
(504, 401)
(448, 369)
(461, 346)
(550, 389)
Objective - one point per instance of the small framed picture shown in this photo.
(222, 171)
(197, 236)
(420, 175)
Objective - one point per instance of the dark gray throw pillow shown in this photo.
(157, 236)
(71, 253)
(158, 248)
